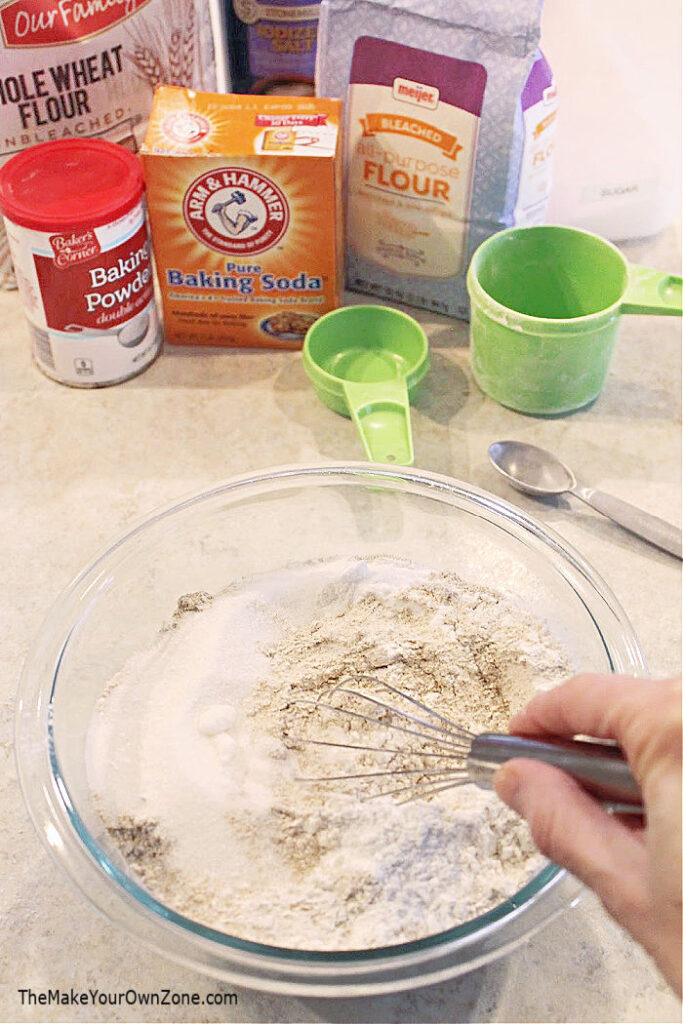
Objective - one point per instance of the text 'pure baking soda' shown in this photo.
(244, 201)
(75, 220)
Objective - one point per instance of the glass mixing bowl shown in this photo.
(241, 528)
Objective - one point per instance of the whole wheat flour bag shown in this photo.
(450, 111)
(88, 68)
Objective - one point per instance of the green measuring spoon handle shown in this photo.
(381, 413)
(652, 291)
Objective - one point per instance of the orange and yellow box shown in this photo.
(244, 197)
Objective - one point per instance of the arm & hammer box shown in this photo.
(244, 197)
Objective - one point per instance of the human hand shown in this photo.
(633, 865)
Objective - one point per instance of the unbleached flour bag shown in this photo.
(88, 68)
(450, 111)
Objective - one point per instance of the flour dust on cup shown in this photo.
(366, 362)
(546, 304)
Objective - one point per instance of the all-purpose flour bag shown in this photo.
(450, 111)
(88, 68)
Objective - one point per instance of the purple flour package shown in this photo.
(450, 116)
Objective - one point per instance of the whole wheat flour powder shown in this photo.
(198, 755)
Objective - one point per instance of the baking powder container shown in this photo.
(75, 218)
(546, 307)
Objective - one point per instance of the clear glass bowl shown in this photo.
(250, 525)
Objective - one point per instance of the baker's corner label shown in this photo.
(75, 247)
(236, 210)
(50, 22)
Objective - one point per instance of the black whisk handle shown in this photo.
(600, 768)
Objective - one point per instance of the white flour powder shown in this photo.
(195, 755)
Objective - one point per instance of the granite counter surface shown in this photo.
(78, 465)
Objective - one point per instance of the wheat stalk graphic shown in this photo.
(189, 45)
(175, 56)
(149, 65)
(164, 52)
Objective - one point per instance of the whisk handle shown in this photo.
(601, 769)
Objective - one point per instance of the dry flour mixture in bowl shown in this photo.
(167, 708)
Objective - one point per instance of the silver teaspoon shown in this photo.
(538, 472)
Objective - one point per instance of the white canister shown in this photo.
(617, 64)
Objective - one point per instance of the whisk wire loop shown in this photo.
(385, 774)
(453, 742)
(416, 793)
(448, 724)
(458, 746)
(601, 770)
(379, 750)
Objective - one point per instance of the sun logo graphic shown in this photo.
(185, 127)
(236, 211)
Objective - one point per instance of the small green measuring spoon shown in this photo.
(366, 362)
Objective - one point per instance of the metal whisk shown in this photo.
(461, 757)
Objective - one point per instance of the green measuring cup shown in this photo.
(546, 304)
(365, 362)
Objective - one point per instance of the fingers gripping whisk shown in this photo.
(410, 750)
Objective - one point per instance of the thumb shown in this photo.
(575, 831)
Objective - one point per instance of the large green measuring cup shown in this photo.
(365, 362)
(546, 303)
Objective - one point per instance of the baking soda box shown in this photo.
(244, 196)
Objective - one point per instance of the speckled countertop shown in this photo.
(79, 465)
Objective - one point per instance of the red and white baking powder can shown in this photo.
(75, 217)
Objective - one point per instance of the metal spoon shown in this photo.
(538, 472)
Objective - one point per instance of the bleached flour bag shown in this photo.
(450, 110)
(88, 68)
